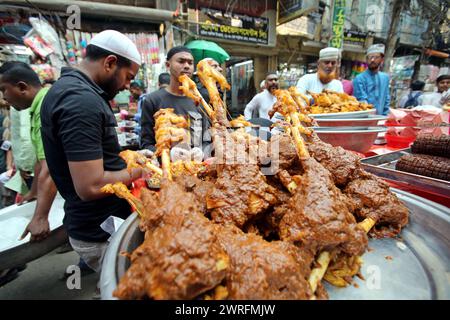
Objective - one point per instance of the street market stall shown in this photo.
(232, 230)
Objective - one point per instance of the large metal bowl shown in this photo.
(371, 121)
(358, 139)
(416, 267)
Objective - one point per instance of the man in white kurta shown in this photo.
(263, 102)
(325, 77)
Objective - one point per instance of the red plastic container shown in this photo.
(399, 141)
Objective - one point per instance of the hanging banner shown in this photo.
(337, 25)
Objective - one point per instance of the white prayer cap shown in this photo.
(376, 48)
(117, 43)
(262, 85)
(329, 54)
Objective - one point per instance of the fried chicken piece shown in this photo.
(180, 258)
(240, 122)
(261, 270)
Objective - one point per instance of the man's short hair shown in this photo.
(164, 78)
(417, 85)
(443, 77)
(176, 50)
(16, 72)
(95, 53)
(271, 73)
(137, 84)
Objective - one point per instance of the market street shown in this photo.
(40, 280)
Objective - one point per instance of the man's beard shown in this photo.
(326, 77)
(374, 67)
(272, 88)
(111, 87)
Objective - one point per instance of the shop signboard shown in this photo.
(355, 37)
(246, 21)
(289, 10)
(234, 27)
(337, 37)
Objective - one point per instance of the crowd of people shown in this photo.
(64, 138)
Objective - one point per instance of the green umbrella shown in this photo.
(202, 49)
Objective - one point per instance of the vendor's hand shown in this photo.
(27, 198)
(210, 161)
(136, 173)
(25, 174)
(146, 153)
(9, 173)
(38, 228)
(178, 153)
(197, 154)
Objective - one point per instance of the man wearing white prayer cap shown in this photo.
(372, 86)
(325, 77)
(81, 144)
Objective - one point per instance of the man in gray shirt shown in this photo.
(179, 61)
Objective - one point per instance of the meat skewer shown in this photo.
(169, 128)
(190, 90)
(136, 160)
(121, 190)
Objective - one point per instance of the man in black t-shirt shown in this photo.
(81, 144)
(179, 61)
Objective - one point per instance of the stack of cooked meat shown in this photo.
(234, 233)
(431, 157)
(263, 222)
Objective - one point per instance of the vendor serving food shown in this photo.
(80, 141)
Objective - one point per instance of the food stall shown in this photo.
(236, 229)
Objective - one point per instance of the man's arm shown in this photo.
(148, 140)
(89, 177)
(251, 106)
(358, 89)
(387, 104)
(302, 84)
(46, 192)
(32, 193)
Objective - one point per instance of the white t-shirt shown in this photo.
(312, 83)
(263, 103)
(432, 99)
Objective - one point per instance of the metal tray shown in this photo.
(24, 251)
(384, 167)
(341, 115)
(413, 267)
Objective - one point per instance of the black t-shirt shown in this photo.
(79, 125)
(182, 105)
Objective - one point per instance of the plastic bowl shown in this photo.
(359, 140)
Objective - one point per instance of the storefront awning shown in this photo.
(101, 9)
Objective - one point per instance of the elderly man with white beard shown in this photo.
(325, 77)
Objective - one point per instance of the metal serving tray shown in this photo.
(384, 167)
(415, 266)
